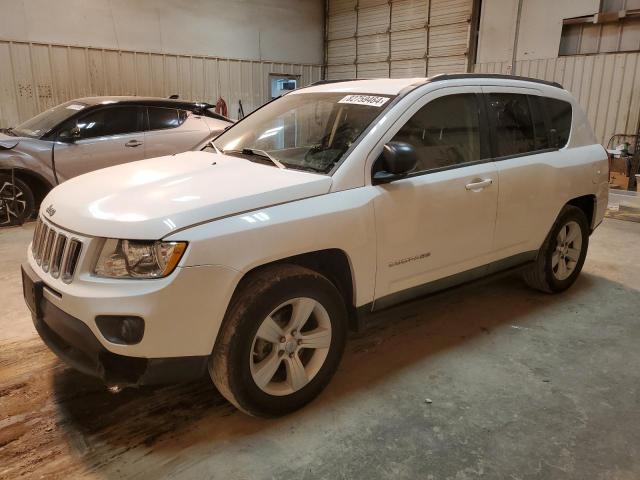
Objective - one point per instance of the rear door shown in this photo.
(172, 130)
(526, 163)
(109, 135)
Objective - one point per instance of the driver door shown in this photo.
(108, 136)
(439, 221)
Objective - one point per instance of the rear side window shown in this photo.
(540, 126)
(559, 113)
(165, 118)
(445, 132)
(513, 124)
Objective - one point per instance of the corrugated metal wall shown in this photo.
(397, 38)
(35, 76)
(607, 86)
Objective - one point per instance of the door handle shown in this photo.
(133, 143)
(478, 184)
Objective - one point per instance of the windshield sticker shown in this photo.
(75, 106)
(371, 100)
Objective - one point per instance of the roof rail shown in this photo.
(454, 76)
(324, 82)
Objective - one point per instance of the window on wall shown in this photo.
(615, 28)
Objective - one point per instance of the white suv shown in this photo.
(253, 257)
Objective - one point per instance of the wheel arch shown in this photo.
(333, 263)
(38, 184)
(586, 203)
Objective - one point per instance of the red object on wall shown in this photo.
(221, 107)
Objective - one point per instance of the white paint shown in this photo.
(237, 215)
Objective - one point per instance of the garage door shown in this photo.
(398, 38)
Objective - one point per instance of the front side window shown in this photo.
(165, 118)
(108, 121)
(42, 123)
(305, 131)
(445, 132)
(513, 124)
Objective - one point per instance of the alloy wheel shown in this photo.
(566, 255)
(12, 203)
(290, 346)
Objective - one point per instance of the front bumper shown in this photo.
(74, 342)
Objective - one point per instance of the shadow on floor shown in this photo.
(102, 426)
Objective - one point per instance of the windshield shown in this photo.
(305, 131)
(39, 125)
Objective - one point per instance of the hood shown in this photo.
(151, 198)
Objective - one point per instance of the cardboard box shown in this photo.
(619, 164)
(619, 179)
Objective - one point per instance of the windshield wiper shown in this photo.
(258, 153)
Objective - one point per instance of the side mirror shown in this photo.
(398, 159)
(69, 136)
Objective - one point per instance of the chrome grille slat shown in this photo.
(70, 261)
(43, 235)
(48, 247)
(56, 256)
(36, 235)
(55, 251)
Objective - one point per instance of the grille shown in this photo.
(55, 252)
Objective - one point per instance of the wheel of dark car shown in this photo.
(562, 254)
(281, 341)
(17, 202)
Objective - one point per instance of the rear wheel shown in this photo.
(17, 202)
(562, 254)
(281, 341)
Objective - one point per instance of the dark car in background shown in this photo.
(87, 134)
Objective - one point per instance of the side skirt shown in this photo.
(489, 271)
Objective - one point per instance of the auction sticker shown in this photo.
(371, 100)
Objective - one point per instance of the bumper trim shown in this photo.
(76, 345)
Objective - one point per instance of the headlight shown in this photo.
(138, 258)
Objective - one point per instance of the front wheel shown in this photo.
(281, 341)
(562, 254)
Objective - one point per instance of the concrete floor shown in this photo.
(523, 385)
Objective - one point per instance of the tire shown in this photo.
(24, 201)
(546, 273)
(248, 344)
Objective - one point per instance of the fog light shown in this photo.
(120, 329)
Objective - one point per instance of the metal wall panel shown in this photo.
(404, 34)
(372, 20)
(409, 14)
(35, 77)
(336, 72)
(409, 44)
(341, 6)
(408, 68)
(607, 86)
(373, 48)
(342, 25)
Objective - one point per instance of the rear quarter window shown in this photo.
(559, 113)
